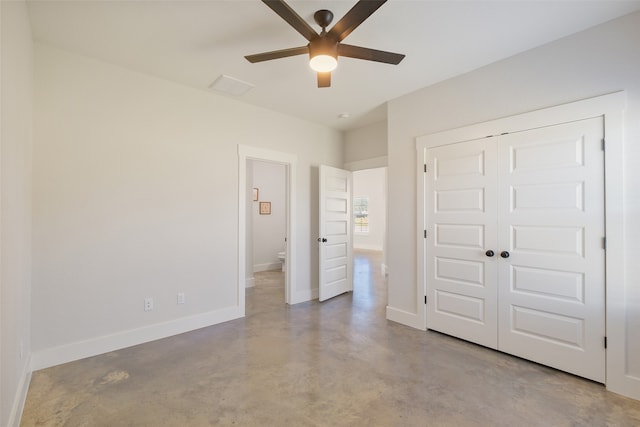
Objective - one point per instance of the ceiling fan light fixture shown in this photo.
(323, 55)
(323, 63)
(324, 48)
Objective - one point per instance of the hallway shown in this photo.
(336, 363)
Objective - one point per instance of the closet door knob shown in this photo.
(504, 254)
(489, 253)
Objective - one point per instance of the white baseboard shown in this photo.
(404, 317)
(250, 282)
(79, 350)
(267, 266)
(627, 385)
(367, 247)
(304, 296)
(21, 396)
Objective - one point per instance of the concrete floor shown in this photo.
(336, 363)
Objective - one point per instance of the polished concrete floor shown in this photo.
(336, 363)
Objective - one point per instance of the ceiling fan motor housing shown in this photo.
(323, 46)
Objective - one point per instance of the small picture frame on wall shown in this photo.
(255, 194)
(265, 208)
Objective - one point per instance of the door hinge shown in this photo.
(425, 234)
(604, 243)
(605, 342)
(603, 143)
(425, 168)
(425, 299)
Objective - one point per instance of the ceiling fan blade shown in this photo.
(324, 79)
(369, 54)
(292, 18)
(276, 54)
(356, 16)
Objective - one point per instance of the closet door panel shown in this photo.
(461, 221)
(551, 222)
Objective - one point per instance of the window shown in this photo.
(361, 214)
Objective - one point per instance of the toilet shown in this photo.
(282, 256)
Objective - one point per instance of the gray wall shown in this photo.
(366, 143)
(15, 209)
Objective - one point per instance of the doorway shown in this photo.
(266, 218)
(370, 212)
(246, 204)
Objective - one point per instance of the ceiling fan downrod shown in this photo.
(323, 18)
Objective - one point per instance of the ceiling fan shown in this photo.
(324, 48)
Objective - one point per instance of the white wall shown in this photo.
(372, 183)
(600, 60)
(136, 195)
(269, 231)
(366, 142)
(15, 209)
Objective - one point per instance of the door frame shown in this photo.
(611, 107)
(290, 162)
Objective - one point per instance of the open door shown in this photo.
(336, 233)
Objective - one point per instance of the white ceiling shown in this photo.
(193, 42)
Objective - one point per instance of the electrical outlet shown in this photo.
(180, 297)
(148, 304)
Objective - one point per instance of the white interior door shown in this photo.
(461, 222)
(551, 216)
(336, 232)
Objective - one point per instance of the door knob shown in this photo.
(489, 253)
(504, 254)
(323, 240)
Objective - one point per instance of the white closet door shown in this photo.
(461, 222)
(551, 222)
